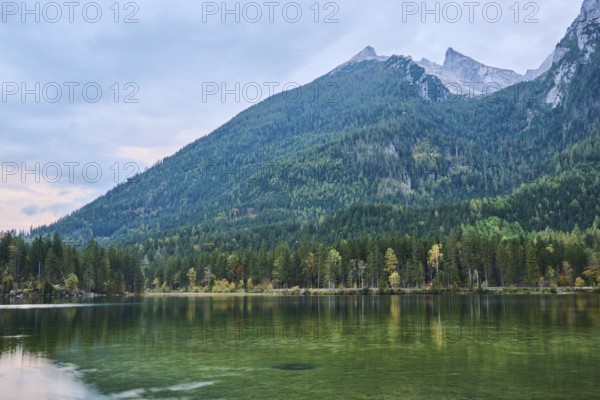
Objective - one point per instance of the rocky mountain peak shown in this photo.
(465, 76)
(454, 59)
(367, 54)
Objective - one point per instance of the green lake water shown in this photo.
(346, 347)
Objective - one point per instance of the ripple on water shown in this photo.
(141, 392)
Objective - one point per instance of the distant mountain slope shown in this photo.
(376, 130)
(197, 180)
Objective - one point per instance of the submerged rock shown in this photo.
(295, 367)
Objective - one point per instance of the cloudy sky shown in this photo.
(95, 91)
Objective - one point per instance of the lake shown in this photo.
(326, 347)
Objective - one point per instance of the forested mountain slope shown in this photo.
(372, 132)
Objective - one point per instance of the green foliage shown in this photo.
(491, 252)
(333, 266)
(43, 264)
(470, 258)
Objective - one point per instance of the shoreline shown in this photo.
(377, 292)
(500, 291)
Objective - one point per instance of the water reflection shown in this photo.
(27, 375)
(251, 347)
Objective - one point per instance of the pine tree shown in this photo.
(531, 264)
(333, 266)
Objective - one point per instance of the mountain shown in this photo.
(578, 46)
(463, 75)
(377, 132)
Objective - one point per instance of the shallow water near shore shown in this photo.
(338, 347)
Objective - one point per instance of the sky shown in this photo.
(93, 92)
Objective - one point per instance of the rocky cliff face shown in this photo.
(465, 76)
(469, 69)
(532, 74)
(576, 47)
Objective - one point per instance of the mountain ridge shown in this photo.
(461, 74)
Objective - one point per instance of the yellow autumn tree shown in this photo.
(395, 280)
(435, 258)
(391, 261)
(192, 275)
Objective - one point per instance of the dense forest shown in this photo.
(50, 266)
(490, 253)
